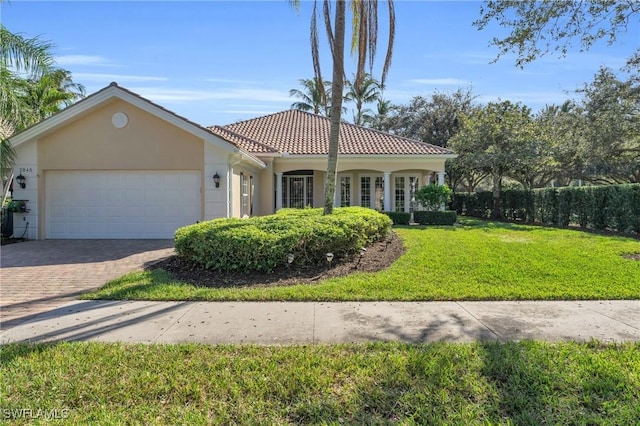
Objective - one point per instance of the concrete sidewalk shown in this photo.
(315, 322)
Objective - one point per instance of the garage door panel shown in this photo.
(121, 204)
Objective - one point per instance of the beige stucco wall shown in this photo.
(265, 192)
(145, 143)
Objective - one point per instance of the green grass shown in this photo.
(478, 261)
(527, 383)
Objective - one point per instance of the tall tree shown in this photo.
(367, 92)
(379, 120)
(494, 140)
(434, 120)
(50, 93)
(31, 89)
(312, 98)
(538, 27)
(20, 58)
(611, 128)
(364, 14)
(561, 127)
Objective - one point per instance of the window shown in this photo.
(379, 196)
(297, 191)
(244, 195)
(413, 188)
(345, 191)
(365, 191)
(400, 199)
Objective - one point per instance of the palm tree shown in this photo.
(383, 108)
(31, 89)
(367, 92)
(48, 94)
(20, 57)
(363, 44)
(312, 98)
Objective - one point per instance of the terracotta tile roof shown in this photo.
(299, 132)
(242, 142)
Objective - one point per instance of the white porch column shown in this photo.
(387, 192)
(278, 191)
(427, 179)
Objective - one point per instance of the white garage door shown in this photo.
(117, 204)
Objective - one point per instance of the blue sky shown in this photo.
(217, 62)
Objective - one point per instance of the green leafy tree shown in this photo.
(538, 27)
(313, 98)
(494, 139)
(31, 89)
(50, 93)
(18, 56)
(611, 126)
(434, 120)
(379, 119)
(364, 17)
(368, 91)
(560, 126)
(433, 197)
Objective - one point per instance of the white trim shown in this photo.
(387, 193)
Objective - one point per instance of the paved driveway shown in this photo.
(37, 276)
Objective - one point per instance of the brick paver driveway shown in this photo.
(37, 276)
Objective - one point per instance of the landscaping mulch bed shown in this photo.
(378, 256)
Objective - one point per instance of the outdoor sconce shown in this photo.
(216, 180)
(22, 181)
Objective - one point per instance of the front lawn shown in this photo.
(477, 261)
(528, 383)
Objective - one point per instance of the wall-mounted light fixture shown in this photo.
(329, 258)
(22, 181)
(216, 180)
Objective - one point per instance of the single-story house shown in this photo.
(116, 165)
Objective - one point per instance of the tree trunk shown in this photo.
(497, 189)
(337, 86)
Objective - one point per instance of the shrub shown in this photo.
(447, 217)
(262, 243)
(431, 197)
(399, 218)
(614, 207)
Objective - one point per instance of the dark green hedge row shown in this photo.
(447, 217)
(262, 243)
(615, 207)
(399, 218)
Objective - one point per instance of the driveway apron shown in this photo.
(37, 276)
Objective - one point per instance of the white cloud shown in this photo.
(66, 60)
(248, 111)
(161, 94)
(441, 81)
(531, 99)
(227, 80)
(96, 77)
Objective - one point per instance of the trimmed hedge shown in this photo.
(399, 218)
(262, 243)
(447, 217)
(615, 207)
